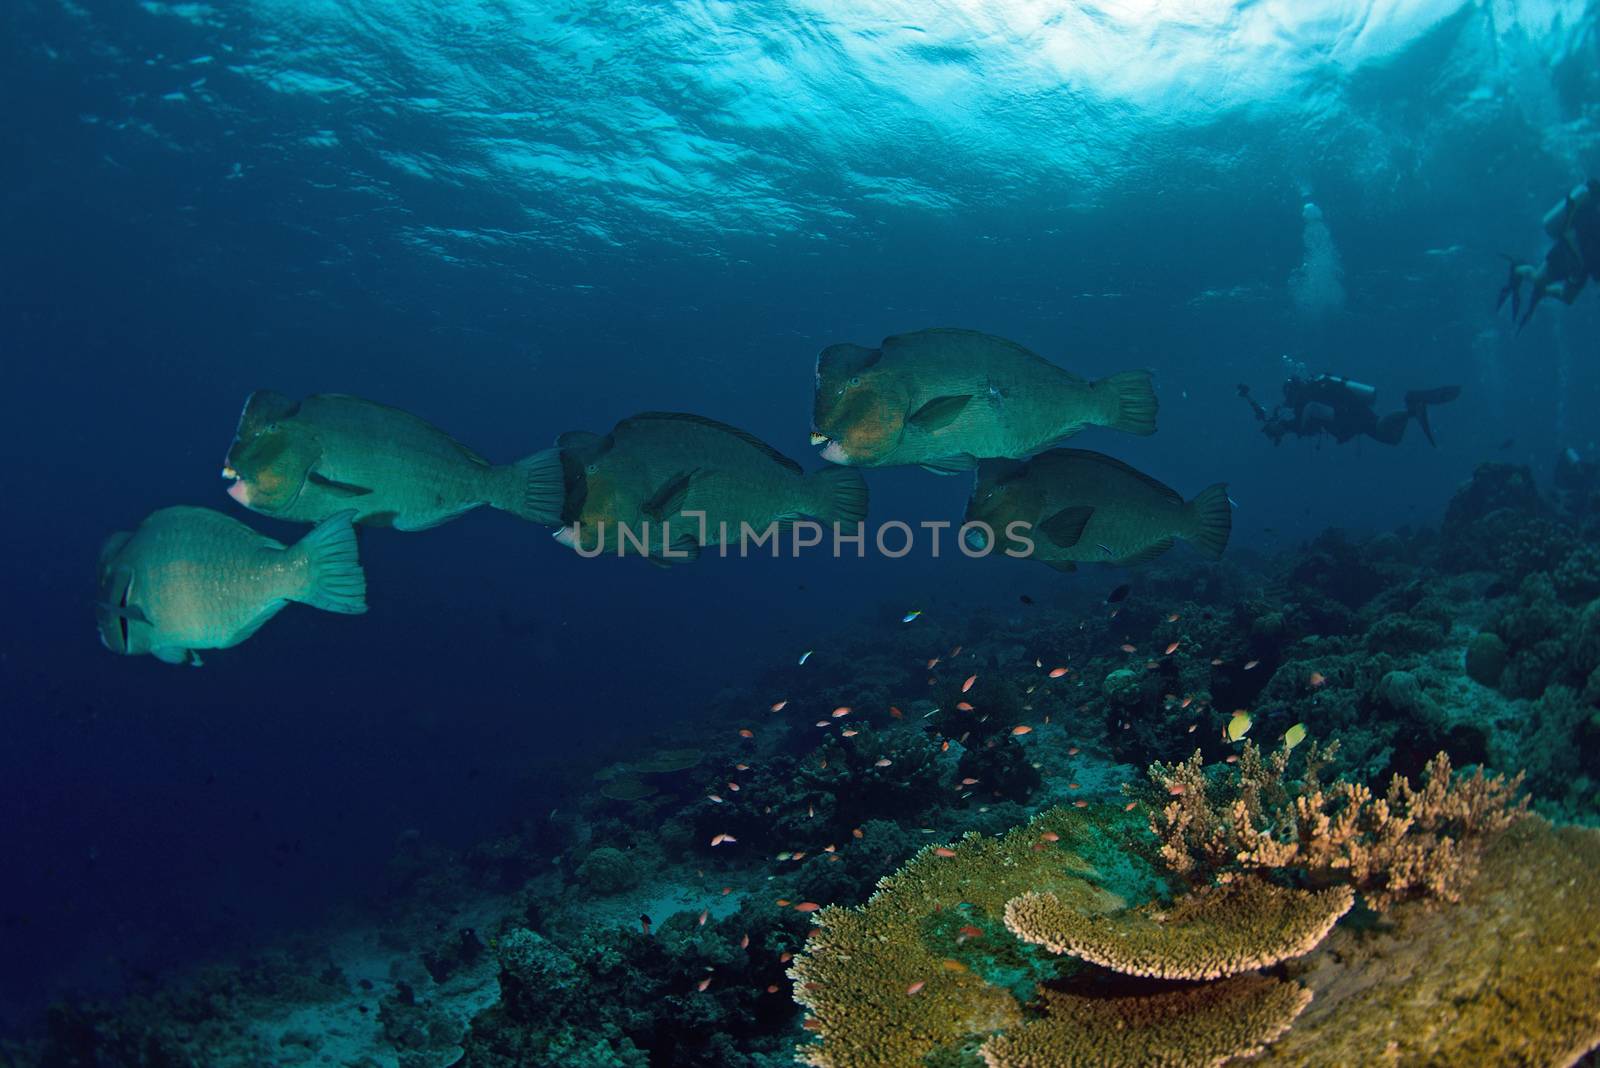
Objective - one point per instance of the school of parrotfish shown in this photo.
(661, 485)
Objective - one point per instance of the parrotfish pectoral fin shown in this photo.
(1066, 526)
(939, 412)
(343, 489)
(958, 464)
(667, 501)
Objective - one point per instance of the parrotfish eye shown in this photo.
(591, 468)
(855, 380)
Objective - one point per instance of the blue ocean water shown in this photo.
(521, 219)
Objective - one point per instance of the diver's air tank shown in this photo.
(1555, 220)
(1360, 391)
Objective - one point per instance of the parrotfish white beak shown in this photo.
(567, 536)
(833, 452)
(240, 492)
(819, 439)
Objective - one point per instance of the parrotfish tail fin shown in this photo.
(1132, 407)
(334, 579)
(1210, 520)
(838, 495)
(532, 488)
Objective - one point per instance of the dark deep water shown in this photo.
(513, 248)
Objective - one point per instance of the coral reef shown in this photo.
(1190, 1027)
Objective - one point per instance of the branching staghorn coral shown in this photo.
(1409, 843)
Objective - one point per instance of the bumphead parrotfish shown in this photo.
(192, 578)
(328, 453)
(946, 399)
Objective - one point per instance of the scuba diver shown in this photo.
(1329, 404)
(1574, 226)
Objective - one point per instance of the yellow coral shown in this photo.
(860, 973)
(1193, 1027)
(1237, 927)
(1509, 975)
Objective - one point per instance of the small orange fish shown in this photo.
(969, 782)
(718, 839)
(1186, 702)
(830, 848)
(1130, 806)
(956, 651)
(896, 713)
(742, 767)
(944, 747)
(1249, 665)
(1176, 789)
(785, 958)
(744, 943)
(963, 706)
(811, 1023)
(882, 762)
(783, 902)
(933, 663)
(1192, 726)
(773, 989)
(1317, 680)
(849, 733)
(777, 706)
(916, 986)
(824, 722)
(705, 915)
(965, 686)
(842, 710)
(734, 787)
(811, 812)
(1216, 661)
(715, 798)
(1073, 751)
(1233, 759)
(858, 833)
(1171, 649)
(807, 906)
(952, 965)
(797, 857)
(1173, 618)
(1022, 728)
(1081, 803)
(1127, 648)
(1056, 673)
(969, 931)
(1072, 786)
(942, 851)
(746, 732)
(726, 890)
(702, 984)
(1052, 836)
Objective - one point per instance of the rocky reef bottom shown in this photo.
(1233, 772)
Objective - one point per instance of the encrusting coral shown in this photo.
(1220, 931)
(1191, 1027)
(1407, 843)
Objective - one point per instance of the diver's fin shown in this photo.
(1150, 552)
(839, 495)
(335, 581)
(668, 499)
(1212, 519)
(533, 488)
(959, 464)
(1060, 565)
(1066, 526)
(1417, 402)
(1134, 410)
(939, 412)
(344, 489)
